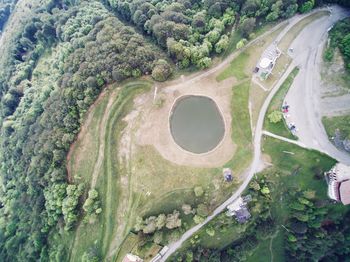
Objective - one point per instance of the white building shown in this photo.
(338, 179)
(267, 61)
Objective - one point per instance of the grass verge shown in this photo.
(280, 128)
(241, 130)
(339, 124)
(235, 69)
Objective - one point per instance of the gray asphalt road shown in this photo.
(256, 163)
(304, 96)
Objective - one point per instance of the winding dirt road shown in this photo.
(305, 58)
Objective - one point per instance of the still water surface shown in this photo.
(196, 124)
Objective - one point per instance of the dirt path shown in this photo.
(81, 134)
(102, 135)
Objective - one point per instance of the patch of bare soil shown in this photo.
(154, 121)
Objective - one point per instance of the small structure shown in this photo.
(132, 258)
(338, 179)
(267, 61)
(242, 215)
(227, 173)
(239, 209)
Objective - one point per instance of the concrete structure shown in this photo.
(267, 61)
(239, 209)
(132, 258)
(227, 173)
(338, 179)
(344, 192)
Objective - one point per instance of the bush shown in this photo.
(198, 219)
(161, 71)
(210, 231)
(198, 191)
(202, 210)
(241, 43)
(307, 6)
(328, 55)
(275, 116)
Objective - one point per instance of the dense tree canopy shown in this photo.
(6, 7)
(57, 64)
(90, 48)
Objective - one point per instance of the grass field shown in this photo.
(303, 169)
(241, 131)
(147, 184)
(236, 68)
(280, 128)
(99, 235)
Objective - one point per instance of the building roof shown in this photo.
(242, 215)
(236, 205)
(333, 190)
(265, 62)
(344, 191)
(227, 171)
(342, 171)
(132, 258)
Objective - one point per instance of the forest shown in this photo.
(88, 45)
(6, 7)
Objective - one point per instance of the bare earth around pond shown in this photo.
(154, 121)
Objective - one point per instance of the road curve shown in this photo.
(304, 95)
(250, 172)
(197, 76)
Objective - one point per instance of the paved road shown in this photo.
(202, 74)
(304, 96)
(256, 163)
(295, 142)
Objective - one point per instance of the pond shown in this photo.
(196, 124)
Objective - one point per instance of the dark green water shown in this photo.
(196, 124)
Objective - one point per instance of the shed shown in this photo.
(132, 258)
(242, 215)
(227, 173)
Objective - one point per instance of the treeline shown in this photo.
(6, 7)
(90, 48)
(193, 30)
(340, 38)
(316, 231)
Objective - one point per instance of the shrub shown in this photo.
(198, 191)
(241, 43)
(161, 71)
(198, 219)
(275, 116)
